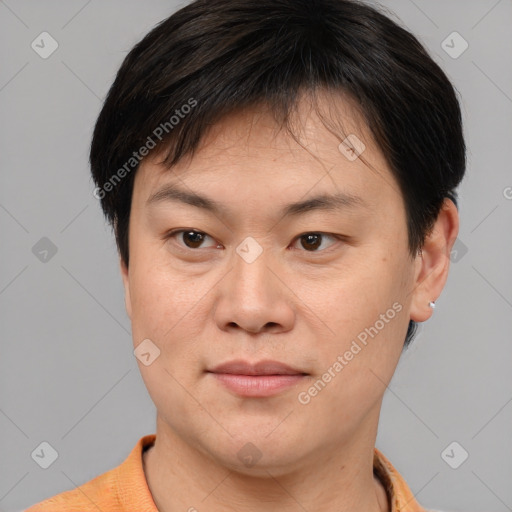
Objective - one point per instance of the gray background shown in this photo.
(68, 375)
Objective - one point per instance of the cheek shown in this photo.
(364, 309)
(170, 308)
(354, 294)
(358, 361)
(170, 314)
(158, 299)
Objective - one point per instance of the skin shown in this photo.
(299, 302)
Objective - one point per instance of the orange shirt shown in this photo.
(125, 489)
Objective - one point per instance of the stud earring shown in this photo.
(432, 304)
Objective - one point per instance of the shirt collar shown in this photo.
(400, 497)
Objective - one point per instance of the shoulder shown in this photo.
(121, 488)
(97, 494)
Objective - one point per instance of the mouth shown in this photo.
(261, 379)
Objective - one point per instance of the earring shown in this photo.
(432, 304)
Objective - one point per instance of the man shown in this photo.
(281, 179)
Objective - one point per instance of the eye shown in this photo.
(191, 238)
(312, 241)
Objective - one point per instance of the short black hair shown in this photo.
(216, 57)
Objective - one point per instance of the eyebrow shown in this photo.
(324, 202)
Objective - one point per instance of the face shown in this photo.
(293, 270)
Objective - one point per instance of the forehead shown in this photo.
(250, 149)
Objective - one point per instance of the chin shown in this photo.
(254, 452)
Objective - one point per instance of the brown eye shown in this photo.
(312, 241)
(193, 239)
(190, 238)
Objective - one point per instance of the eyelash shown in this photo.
(175, 232)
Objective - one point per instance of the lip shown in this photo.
(267, 367)
(261, 379)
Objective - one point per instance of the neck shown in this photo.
(341, 479)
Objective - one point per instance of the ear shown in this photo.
(433, 262)
(126, 284)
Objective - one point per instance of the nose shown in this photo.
(255, 297)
